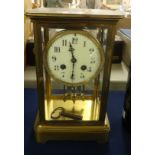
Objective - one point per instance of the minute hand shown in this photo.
(71, 49)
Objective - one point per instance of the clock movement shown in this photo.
(73, 68)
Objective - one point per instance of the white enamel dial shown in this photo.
(73, 57)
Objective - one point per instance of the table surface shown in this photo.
(119, 140)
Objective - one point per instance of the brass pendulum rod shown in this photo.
(64, 92)
(73, 94)
(83, 92)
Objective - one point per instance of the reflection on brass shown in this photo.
(46, 132)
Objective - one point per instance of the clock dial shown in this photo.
(73, 57)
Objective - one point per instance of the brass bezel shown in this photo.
(82, 32)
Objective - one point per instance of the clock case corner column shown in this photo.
(39, 70)
(107, 71)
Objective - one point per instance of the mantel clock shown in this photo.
(73, 50)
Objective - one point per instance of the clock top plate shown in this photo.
(63, 12)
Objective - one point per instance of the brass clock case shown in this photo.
(90, 37)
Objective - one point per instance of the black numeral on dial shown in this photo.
(74, 40)
(89, 69)
(82, 76)
(54, 58)
(64, 42)
(92, 61)
(57, 49)
(63, 74)
(84, 44)
(91, 50)
(56, 68)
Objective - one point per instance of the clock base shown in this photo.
(46, 132)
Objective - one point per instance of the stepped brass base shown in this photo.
(47, 132)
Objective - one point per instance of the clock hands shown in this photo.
(71, 49)
(73, 59)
